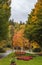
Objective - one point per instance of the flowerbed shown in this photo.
(19, 53)
(25, 58)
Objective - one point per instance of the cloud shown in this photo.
(21, 8)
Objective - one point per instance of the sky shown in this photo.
(21, 8)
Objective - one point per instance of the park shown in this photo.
(20, 32)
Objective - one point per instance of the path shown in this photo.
(2, 55)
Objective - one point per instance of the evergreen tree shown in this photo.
(33, 29)
(4, 18)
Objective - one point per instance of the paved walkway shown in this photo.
(2, 55)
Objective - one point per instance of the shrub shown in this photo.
(2, 50)
(36, 50)
(8, 45)
(13, 61)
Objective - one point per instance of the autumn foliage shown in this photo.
(18, 38)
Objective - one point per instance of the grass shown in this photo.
(35, 61)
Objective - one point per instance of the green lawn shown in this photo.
(35, 61)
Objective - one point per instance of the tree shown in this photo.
(19, 40)
(4, 18)
(33, 29)
(10, 33)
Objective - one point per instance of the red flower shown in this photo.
(25, 57)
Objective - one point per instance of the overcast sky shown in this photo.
(21, 8)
